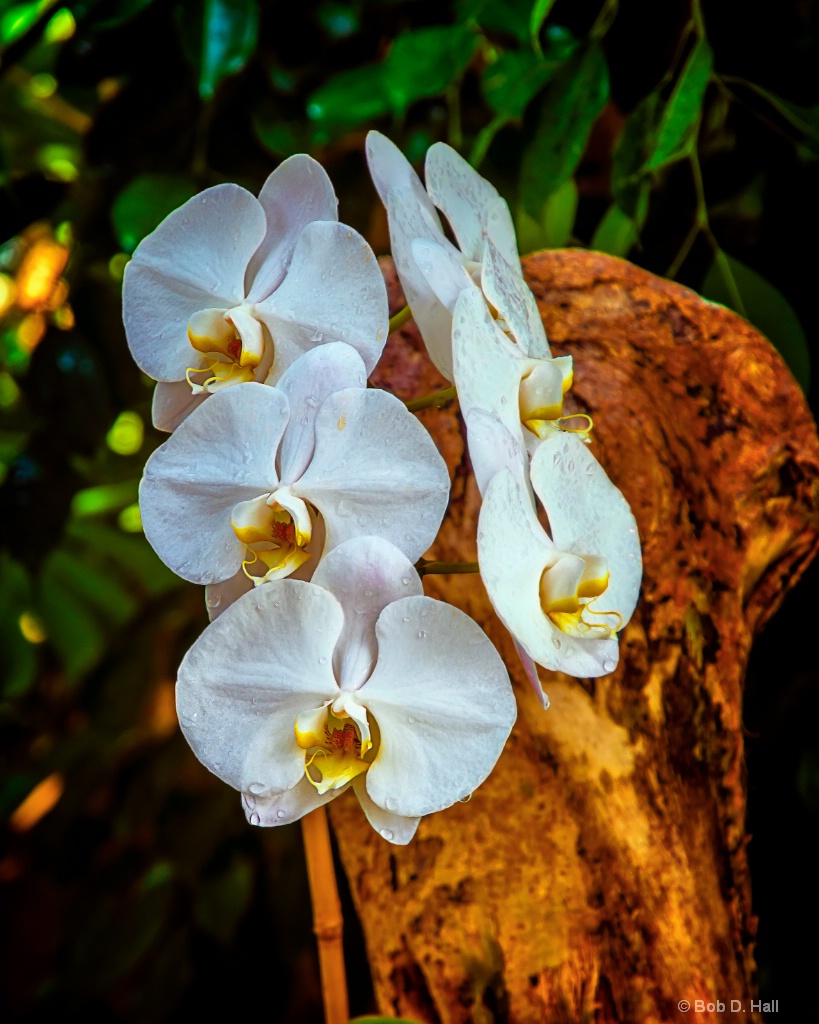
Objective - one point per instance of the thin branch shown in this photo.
(328, 923)
(437, 400)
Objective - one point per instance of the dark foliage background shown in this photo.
(682, 135)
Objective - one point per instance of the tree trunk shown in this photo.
(600, 874)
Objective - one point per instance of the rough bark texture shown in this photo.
(600, 874)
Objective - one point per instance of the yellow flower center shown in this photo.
(568, 589)
(338, 743)
(275, 535)
(232, 358)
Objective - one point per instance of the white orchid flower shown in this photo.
(258, 479)
(230, 288)
(563, 597)
(477, 215)
(301, 690)
(495, 374)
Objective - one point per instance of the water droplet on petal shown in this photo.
(609, 665)
(386, 833)
(254, 819)
(256, 787)
(280, 813)
(322, 660)
(421, 634)
(546, 702)
(405, 580)
(390, 802)
(405, 618)
(250, 800)
(556, 641)
(556, 458)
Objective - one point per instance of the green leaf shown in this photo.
(17, 658)
(514, 79)
(571, 104)
(72, 628)
(559, 212)
(104, 14)
(421, 63)
(540, 12)
(425, 62)
(144, 202)
(351, 97)
(510, 16)
(616, 233)
(222, 901)
(766, 308)
(280, 137)
(229, 34)
(630, 182)
(682, 112)
(131, 554)
(804, 119)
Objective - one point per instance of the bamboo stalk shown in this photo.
(328, 923)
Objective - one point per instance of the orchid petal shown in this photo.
(333, 291)
(365, 574)
(530, 668)
(500, 230)
(464, 196)
(588, 515)
(492, 447)
(407, 223)
(441, 697)
(172, 403)
(503, 285)
(395, 828)
(194, 260)
(514, 551)
(307, 383)
(219, 596)
(390, 169)
(249, 676)
(488, 367)
(295, 194)
(375, 471)
(443, 269)
(287, 807)
(222, 454)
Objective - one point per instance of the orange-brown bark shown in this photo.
(600, 874)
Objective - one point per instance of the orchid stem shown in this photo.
(401, 317)
(327, 920)
(441, 568)
(437, 400)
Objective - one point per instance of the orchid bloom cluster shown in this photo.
(302, 498)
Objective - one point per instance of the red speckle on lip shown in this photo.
(284, 533)
(344, 739)
(234, 348)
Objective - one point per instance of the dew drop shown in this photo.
(256, 787)
(421, 634)
(411, 720)
(405, 580)
(570, 466)
(609, 665)
(213, 600)
(590, 469)
(546, 702)
(465, 799)
(390, 803)
(386, 833)
(250, 801)
(556, 458)
(280, 813)
(254, 819)
(405, 618)
(556, 641)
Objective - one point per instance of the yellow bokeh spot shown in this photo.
(8, 293)
(64, 318)
(125, 437)
(42, 86)
(38, 803)
(9, 392)
(61, 27)
(32, 628)
(129, 519)
(117, 264)
(107, 88)
(39, 273)
(30, 331)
